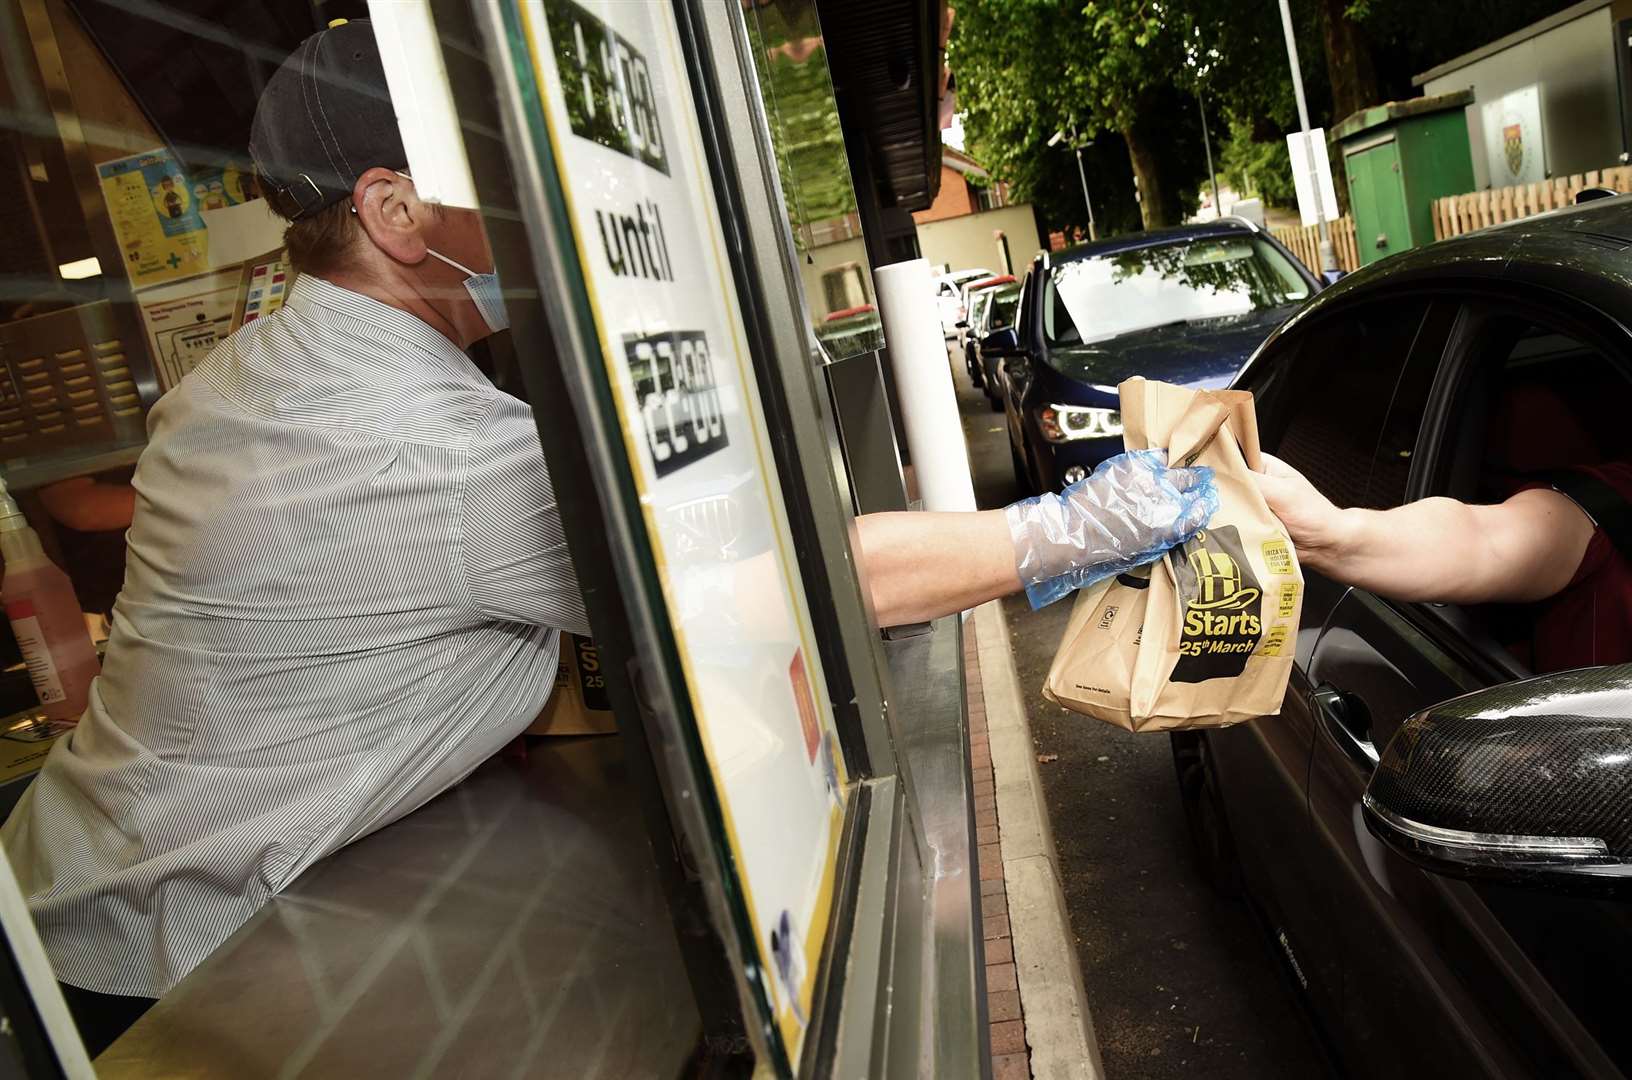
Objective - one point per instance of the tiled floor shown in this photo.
(1010, 1058)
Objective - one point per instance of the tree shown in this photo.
(1027, 68)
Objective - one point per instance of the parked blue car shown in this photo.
(1186, 305)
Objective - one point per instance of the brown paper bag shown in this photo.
(1205, 636)
(578, 705)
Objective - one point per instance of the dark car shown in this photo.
(995, 314)
(1440, 844)
(1185, 305)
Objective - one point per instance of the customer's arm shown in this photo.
(920, 566)
(1439, 549)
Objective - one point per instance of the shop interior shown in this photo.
(568, 909)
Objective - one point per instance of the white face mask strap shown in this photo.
(468, 272)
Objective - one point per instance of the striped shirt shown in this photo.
(343, 584)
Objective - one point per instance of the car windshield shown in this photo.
(1004, 301)
(1094, 299)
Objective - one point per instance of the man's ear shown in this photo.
(391, 214)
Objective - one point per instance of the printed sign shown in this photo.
(185, 319)
(1221, 625)
(625, 139)
(1310, 187)
(1514, 153)
(157, 211)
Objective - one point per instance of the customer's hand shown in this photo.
(1127, 513)
(1314, 524)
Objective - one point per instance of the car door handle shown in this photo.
(1347, 723)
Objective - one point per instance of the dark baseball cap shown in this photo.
(324, 119)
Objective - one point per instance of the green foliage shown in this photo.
(1128, 69)
(1257, 168)
(791, 63)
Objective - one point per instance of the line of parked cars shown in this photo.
(1438, 842)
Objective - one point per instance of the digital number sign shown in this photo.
(607, 85)
(679, 397)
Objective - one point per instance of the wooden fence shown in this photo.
(1304, 242)
(1457, 214)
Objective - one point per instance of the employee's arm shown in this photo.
(1442, 550)
(82, 503)
(920, 566)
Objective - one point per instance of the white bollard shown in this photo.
(923, 382)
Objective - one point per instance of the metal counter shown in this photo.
(514, 926)
(932, 724)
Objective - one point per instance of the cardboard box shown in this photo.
(25, 739)
(578, 705)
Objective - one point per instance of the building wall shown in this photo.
(953, 200)
(967, 242)
(823, 259)
(1574, 64)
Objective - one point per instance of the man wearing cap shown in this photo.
(347, 574)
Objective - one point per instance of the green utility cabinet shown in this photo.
(1399, 158)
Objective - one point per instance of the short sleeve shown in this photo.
(516, 560)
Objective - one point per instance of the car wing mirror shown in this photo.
(1001, 342)
(1529, 782)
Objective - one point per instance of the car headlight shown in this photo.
(1068, 423)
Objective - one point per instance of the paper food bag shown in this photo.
(1203, 637)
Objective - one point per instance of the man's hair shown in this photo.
(324, 242)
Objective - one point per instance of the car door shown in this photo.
(1324, 391)
(1440, 977)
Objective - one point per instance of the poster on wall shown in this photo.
(185, 319)
(157, 210)
(1514, 152)
(625, 139)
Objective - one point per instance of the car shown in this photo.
(1186, 305)
(1434, 834)
(976, 295)
(949, 296)
(996, 315)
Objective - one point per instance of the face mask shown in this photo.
(484, 293)
(483, 288)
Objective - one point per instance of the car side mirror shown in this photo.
(1001, 342)
(1529, 782)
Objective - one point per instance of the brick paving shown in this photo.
(1011, 1060)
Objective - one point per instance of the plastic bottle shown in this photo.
(45, 615)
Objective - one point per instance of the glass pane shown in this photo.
(325, 599)
(679, 383)
(1332, 387)
(797, 89)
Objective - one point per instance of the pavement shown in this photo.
(1179, 982)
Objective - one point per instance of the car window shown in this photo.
(1535, 397)
(1325, 392)
(1190, 281)
(977, 306)
(1000, 313)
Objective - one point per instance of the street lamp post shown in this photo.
(1207, 144)
(1082, 174)
(1328, 261)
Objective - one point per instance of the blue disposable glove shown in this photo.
(1126, 514)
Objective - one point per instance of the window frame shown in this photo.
(1452, 626)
